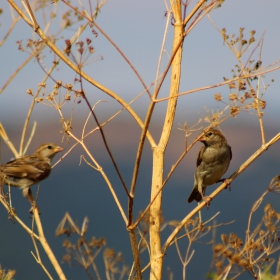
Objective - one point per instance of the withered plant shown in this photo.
(256, 253)
(53, 49)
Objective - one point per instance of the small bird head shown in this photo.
(48, 150)
(213, 137)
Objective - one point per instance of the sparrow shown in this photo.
(29, 170)
(212, 163)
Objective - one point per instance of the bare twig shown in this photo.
(38, 258)
(5, 137)
(254, 74)
(11, 212)
(17, 71)
(46, 246)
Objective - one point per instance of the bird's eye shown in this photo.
(209, 133)
(49, 147)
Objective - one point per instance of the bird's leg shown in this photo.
(227, 181)
(27, 193)
(206, 199)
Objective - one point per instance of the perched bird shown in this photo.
(29, 170)
(212, 163)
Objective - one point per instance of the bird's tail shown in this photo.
(195, 195)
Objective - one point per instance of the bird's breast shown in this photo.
(214, 165)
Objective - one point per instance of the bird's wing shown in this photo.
(37, 170)
(199, 156)
(230, 152)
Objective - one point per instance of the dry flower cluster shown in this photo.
(255, 254)
(84, 252)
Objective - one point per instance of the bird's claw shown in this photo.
(227, 181)
(207, 200)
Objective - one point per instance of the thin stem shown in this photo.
(254, 74)
(38, 258)
(5, 137)
(136, 254)
(162, 46)
(257, 100)
(30, 138)
(27, 229)
(194, 10)
(16, 72)
(46, 246)
(93, 130)
(99, 168)
(30, 12)
(106, 145)
(15, 20)
(175, 49)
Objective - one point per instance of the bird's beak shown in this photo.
(202, 138)
(58, 149)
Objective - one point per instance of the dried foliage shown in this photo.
(246, 93)
(84, 252)
(6, 275)
(256, 254)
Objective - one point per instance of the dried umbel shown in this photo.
(252, 254)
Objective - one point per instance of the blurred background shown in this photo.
(137, 28)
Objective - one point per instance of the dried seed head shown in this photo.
(67, 244)
(239, 243)
(235, 258)
(91, 49)
(252, 32)
(42, 85)
(233, 96)
(219, 264)
(29, 91)
(224, 239)
(49, 97)
(244, 263)
(267, 208)
(68, 47)
(218, 248)
(242, 99)
(251, 40)
(66, 258)
(218, 97)
(69, 86)
(80, 242)
(109, 253)
(38, 100)
(228, 253)
(234, 110)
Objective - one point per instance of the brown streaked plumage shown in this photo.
(212, 163)
(29, 170)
